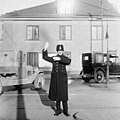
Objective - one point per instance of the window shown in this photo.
(33, 59)
(67, 54)
(99, 58)
(32, 32)
(86, 58)
(1, 31)
(96, 32)
(65, 32)
(65, 6)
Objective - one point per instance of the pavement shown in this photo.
(87, 101)
(93, 101)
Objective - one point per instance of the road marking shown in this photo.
(78, 94)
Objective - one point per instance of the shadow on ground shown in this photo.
(45, 100)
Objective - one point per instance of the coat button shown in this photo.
(56, 70)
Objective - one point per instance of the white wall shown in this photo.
(7, 42)
(114, 36)
(49, 31)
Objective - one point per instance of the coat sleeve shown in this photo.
(65, 60)
(46, 57)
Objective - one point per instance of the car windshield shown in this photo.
(113, 59)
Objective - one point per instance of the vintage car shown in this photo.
(94, 66)
(15, 71)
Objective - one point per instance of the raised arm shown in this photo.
(46, 57)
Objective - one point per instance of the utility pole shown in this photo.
(102, 25)
(91, 34)
(107, 55)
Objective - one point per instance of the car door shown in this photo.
(114, 66)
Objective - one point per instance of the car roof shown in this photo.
(105, 54)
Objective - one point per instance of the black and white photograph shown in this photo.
(60, 60)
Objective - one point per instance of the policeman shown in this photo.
(58, 90)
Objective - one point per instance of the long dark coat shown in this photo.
(59, 81)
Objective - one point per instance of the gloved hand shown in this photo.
(46, 46)
(56, 58)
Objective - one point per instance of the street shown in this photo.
(90, 101)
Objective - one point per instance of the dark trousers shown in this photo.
(64, 104)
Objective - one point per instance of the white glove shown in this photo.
(46, 46)
(56, 58)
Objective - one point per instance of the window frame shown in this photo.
(97, 34)
(27, 34)
(35, 59)
(64, 27)
(67, 54)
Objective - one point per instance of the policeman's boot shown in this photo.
(65, 108)
(58, 111)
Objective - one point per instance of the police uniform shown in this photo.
(59, 82)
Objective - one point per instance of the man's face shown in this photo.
(59, 52)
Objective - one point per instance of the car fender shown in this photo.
(37, 72)
(99, 68)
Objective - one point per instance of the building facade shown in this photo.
(79, 26)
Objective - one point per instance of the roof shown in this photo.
(48, 9)
(96, 8)
(82, 8)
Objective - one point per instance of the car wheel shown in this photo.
(99, 76)
(39, 81)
